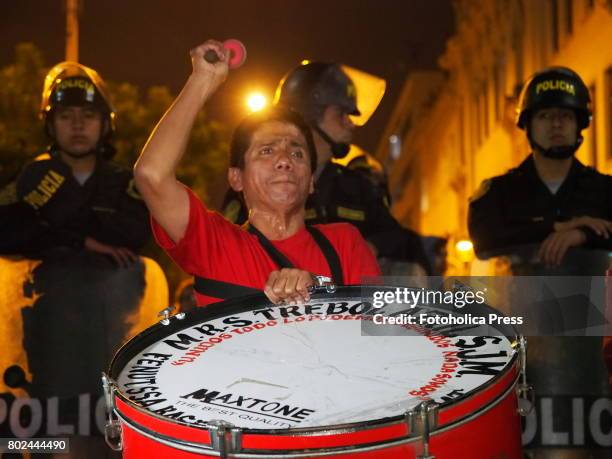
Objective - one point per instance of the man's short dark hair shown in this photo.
(241, 140)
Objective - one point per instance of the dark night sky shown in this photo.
(146, 42)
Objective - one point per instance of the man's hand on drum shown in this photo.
(211, 74)
(289, 286)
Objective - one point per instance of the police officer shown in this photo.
(551, 198)
(73, 196)
(326, 97)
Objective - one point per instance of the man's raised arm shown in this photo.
(155, 170)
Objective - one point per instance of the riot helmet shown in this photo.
(73, 84)
(311, 87)
(554, 87)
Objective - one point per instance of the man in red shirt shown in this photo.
(272, 158)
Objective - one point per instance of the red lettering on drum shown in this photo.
(316, 317)
(255, 326)
(451, 362)
(196, 351)
(449, 365)
(435, 337)
(200, 348)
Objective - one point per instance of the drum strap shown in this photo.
(220, 289)
(226, 290)
(277, 256)
(330, 254)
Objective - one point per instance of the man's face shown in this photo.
(77, 129)
(337, 124)
(554, 127)
(276, 174)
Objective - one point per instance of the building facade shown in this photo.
(453, 128)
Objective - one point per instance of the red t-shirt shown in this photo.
(214, 248)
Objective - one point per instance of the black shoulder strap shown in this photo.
(330, 254)
(277, 257)
(220, 289)
(226, 290)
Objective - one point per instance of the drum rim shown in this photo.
(236, 305)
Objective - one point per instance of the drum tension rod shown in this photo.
(225, 438)
(112, 428)
(526, 395)
(322, 282)
(422, 421)
(166, 313)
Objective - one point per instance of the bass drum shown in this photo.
(249, 379)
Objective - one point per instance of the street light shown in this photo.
(465, 250)
(256, 101)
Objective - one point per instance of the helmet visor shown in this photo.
(74, 92)
(370, 90)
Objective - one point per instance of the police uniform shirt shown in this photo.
(53, 209)
(519, 208)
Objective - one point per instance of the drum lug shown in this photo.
(526, 395)
(225, 438)
(526, 399)
(422, 421)
(112, 428)
(322, 281)
(113, 435)
(166, 313)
